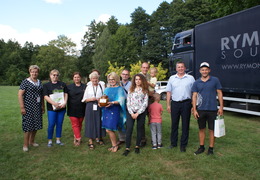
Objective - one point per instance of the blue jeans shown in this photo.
(55, 118)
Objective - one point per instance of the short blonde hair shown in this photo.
(34, 67)
(54, 71)
(154, 69)
(115, 76)
(93, 75)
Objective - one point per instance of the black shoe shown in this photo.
(171, 147)
(143, 143)
(199, 151)
(159, 146)
(154, 147)
(126, 152)
(183, 149)
(137, 150)
(210, 152)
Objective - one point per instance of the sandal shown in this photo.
(115, 149)
(91, 146)
(101, 142)
(77, 142)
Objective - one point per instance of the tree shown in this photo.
(140, 25)
(85, 61)
(135, 68)
(100, 59)
(156, 49)
(185, 15)
(114, 68)
(64, 43)
(122, 47)
(112, 25)
(14, 75)
(93, 32)
(49, 58)
(13, 63)
(27, 53)
(159, 37)
(161, 75)
(224, 8)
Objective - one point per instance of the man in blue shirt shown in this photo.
(204, 103)
(179, 104)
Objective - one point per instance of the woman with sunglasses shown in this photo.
(114, 114)
(56, 94)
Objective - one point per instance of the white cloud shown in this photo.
(38, 36)
(103, 18)
(76, 37)
(35, 35)
(54, 1)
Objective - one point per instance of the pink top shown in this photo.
(155, 112)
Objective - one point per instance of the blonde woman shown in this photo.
(32, 106)
(114, 114)
(56, 109)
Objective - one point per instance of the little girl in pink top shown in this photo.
(155, 119)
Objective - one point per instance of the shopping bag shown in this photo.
(219, 129)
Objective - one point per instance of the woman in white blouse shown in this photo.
(93, 126)
(137, 102)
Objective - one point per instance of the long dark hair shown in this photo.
(144, 84)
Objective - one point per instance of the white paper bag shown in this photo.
(219, 129)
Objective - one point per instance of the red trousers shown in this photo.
(76, 123)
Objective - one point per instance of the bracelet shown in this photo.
(113, 102)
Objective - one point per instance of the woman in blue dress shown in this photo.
(114, 114)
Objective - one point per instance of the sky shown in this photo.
(40, 21)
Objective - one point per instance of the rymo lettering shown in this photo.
(240, 43)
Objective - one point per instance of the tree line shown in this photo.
(145, 38)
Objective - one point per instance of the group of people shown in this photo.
(128, 101)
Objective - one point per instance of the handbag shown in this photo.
(219, 129)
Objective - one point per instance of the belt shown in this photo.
(185, 100)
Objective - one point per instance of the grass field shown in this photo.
(236, 155)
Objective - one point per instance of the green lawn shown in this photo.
(236, 155)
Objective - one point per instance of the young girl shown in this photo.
(137, 102)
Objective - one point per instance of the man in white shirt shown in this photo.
(179, 104)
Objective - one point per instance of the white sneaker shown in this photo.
(34, 144)
(25, 149)
(59, 143)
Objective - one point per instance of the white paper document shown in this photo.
(58, 98)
